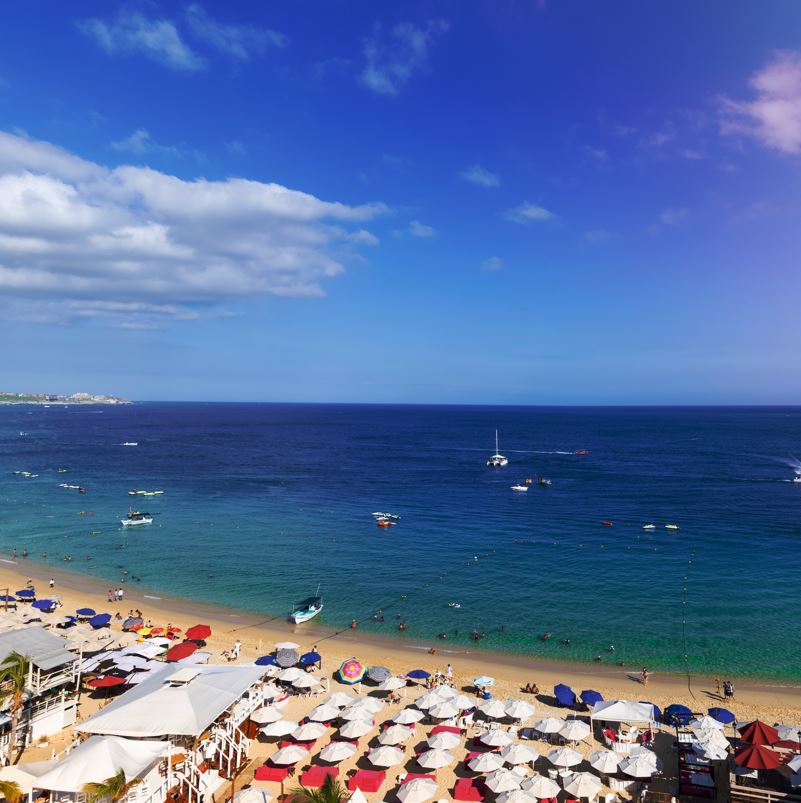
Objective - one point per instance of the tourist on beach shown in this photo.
(728, 691)
(14, 553)
(110, 596)
(353, 624)
(119, 594)
(52, 583)
(449, 672)
(644, 676)
(235, 650)
(717, 686)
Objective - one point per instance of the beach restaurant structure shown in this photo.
(197, 713)
(52, 677)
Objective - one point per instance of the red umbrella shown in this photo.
(758, 732)
(757, 757)
(156, 631)
(198, 633)
(107, 681)
(180, 651)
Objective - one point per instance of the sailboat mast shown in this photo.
(496, 441)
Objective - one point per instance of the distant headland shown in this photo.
(7, 397)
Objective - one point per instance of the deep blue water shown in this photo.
(264, 501)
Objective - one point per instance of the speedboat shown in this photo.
(62, 471)
(306, 609)
(649, 526)
(518, 487)
(544, 482)
(131, 443)
(497, 460)
(582, 451)
(384, 522)
(454, 605)
(134, 517)
(671, 526)
(797, 478)
(607, 523)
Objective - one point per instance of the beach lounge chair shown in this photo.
(413, 776)
(315, 776)
(268, 773)
(468, 789)
(367, 780)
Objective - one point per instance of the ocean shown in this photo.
(263, 502)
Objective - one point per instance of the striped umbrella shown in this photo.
(378, 673)
(351, 671)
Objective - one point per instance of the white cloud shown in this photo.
(74, 230)
(418, 229)
(773, 116)
(132, 33)
(141, 143)
(236, 148)
(476, 174)
(528, 213)
(596, 154)
(241, 42)
(492, 264)
(390, 63)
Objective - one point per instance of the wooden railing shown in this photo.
(751, 794)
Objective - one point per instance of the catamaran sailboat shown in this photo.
(497, 460)
(306, 609)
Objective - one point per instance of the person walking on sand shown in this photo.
(644, 676)
(235, 651)
(717, 686)
(119, 594)
(728, 691)
(449, 672)
(52, 583)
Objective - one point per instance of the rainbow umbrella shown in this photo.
(351, 671)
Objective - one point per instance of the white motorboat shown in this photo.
(649, 526)
(135, 518)
(306, 609)
(519, 487)
(797, 478)
(131, 443)
(497, 460)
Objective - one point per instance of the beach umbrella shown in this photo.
(605, 761)
(286, 645)
(758, 732)
(395, 734)
(640, 765)
(519, 709)
(713, 737)
(417, 790)
(370, 704)
(131, 622)
(678, 714)
(788, 733)
(309, 658)
(444, 710)
(483, 681)
(356, 728)
(463, 702)
(444, 741)
(339, 699)
(709, 750)
(418, 674)
(286, 658)
(574, 730)
(147, 650)
(265, 715)
(290, 754)
(583, 784)
(496, 738)
(252, 795)
(180, 651)
(391, 684)
(408, 716)
(540, 786)
(445, 692)
(351, 671)
(486, 762)
(589, 697)
(309, 732)
(306, 682)
(272, 692)
(160, 641)
(7, 598)
(198, 633)
(795, 763)
(106, 682)
(549, 725)
(706, 723)
(564, 695)
(289, 674)
(265, 660)
(281, 727)
(757, 757)
(656, 708)
(337, 751)
(386, 756)
(502, 780)
(516, 796)
(428, 700)
(84, 613)
(25, 593)
(493, 709)
(128, 663)
(518, 754)
(565, 757)
(722, 715)
(378, 674)
(354, 713)
(43, 604)
(435, 758)
(324, 713)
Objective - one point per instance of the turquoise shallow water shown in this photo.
(263, 502)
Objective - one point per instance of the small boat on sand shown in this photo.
(306, 609)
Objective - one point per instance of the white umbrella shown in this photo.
(386, 756)
(428, 700)
(794, 763)
(565, 757)
(417, 790)
(408, 716)
(706, 723)
(716, 738)
(518, 754)
(435, 758)
(503, 780)
(709, 750)
(356, 728)
(391, 684)
(306, 682)
(357, 797)
(604, 761)
(353, 712)
(496, 738)
(443, 710)
(287, 645)
(251, 795)
(265, 715)
(337, 751)
(370, 704)
(281, 727)
(463, 702)
(324, 713)
(516, 796)
(291, 674)
(446, 692)
(395, 734)
(340, 699)
(444, 741)
(549, 725)
(486, 762)
(290, 754)
(309, 732)
(639, 766)
(575, 730)
(494, 709)
(583, 784)
(519, 709)
(540, 786)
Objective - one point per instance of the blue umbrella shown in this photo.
(26, 593)
(722, 715)
(7, 598)
(266, 660)
(483, 680)
(678, 714)
(86, 611)
(564, 695)
(657, 709)
(309, 658)
(590, 697)
(101, 620)
(44, 604)
(418, 674)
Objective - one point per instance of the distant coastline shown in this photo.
(10, 397)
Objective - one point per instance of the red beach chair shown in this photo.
(268, 773)
(468, 790)
(315, 776)
(367, 780)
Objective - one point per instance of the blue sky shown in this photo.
(435, 201)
